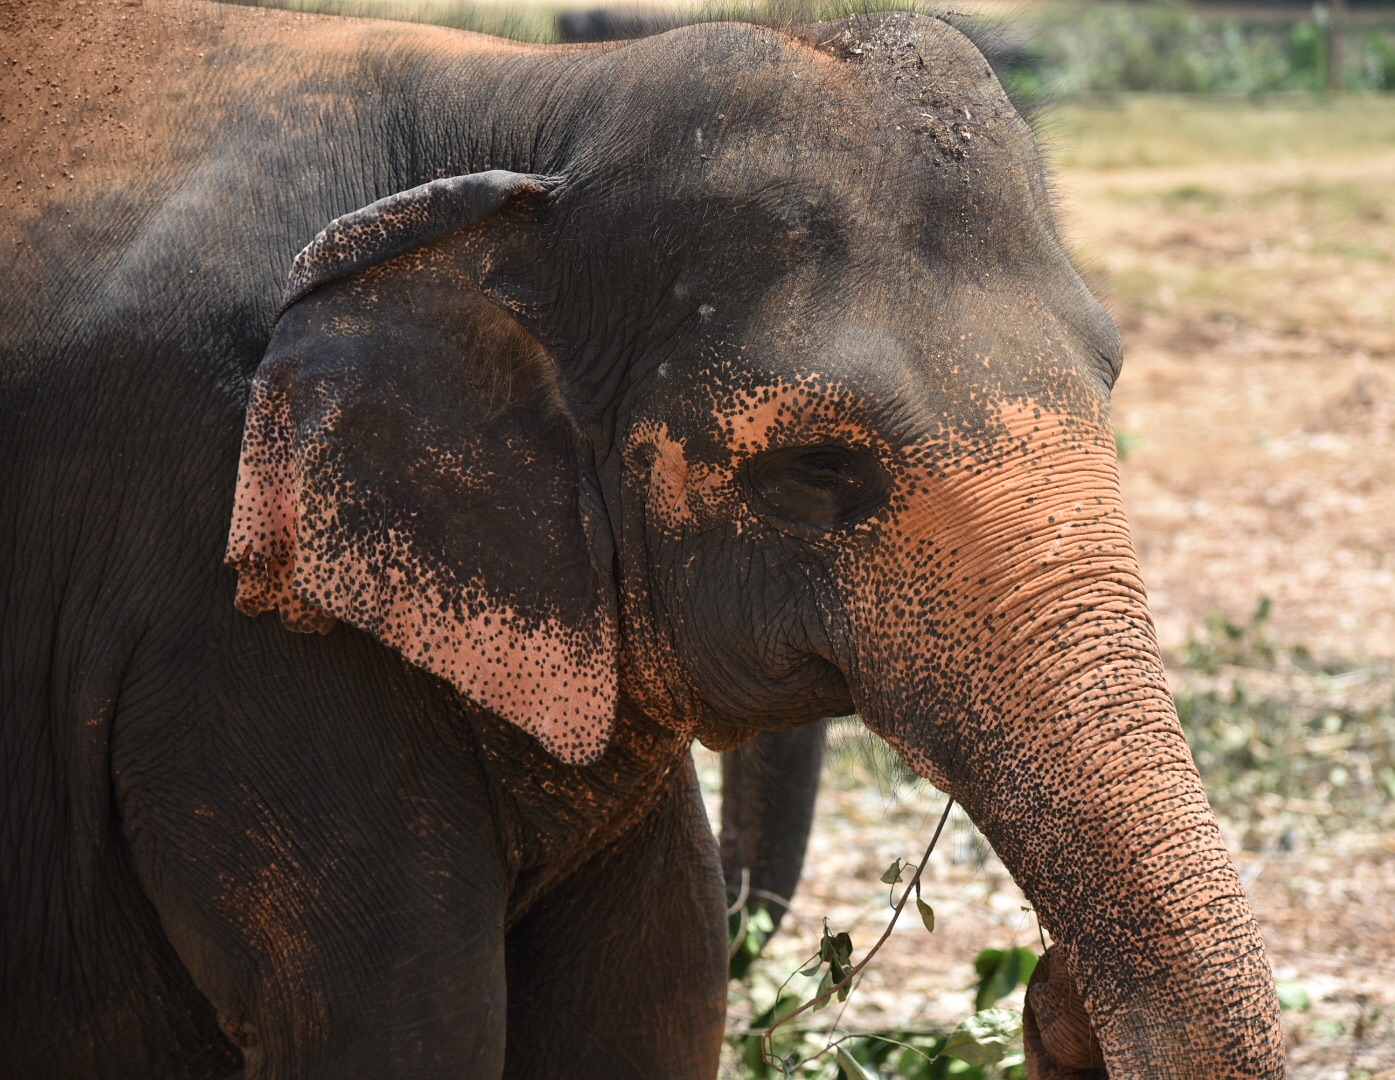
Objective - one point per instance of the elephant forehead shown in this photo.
(746, 421)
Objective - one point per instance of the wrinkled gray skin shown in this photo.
(769, 786)
(735, 379)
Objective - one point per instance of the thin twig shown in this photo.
(744, 894)
(767, 1037)
(740, 938)
(790, 977)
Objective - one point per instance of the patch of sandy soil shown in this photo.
(1257, 408)
(1258, 400)
(1257, 303)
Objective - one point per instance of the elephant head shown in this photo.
(771, 400)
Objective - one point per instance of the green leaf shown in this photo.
(986, 1037)
(1294, 997)
(842, 948)
(1002, 971)
(913, 1065)
(851, 1067)
(810, 972)
(762, 922)
(927, 914)
(986, 961)
(893, 873)
(825, 985)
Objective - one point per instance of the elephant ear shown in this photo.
(384, 482)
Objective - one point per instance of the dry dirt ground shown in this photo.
(1248, 253)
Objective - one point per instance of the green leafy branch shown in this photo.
(836, 949)
(983, 1046)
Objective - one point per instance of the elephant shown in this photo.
(414, 440)
(589, 25)
(770, 786)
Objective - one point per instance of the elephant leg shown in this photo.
(621, 971)
(313, 828)
(769, 787)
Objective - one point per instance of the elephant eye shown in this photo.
(822, 486)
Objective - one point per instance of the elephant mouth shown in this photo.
(806, 690)
(1059, 1040)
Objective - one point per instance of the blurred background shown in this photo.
(1225, 175)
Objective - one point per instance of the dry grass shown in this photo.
(1257, 300)
(1170, 131)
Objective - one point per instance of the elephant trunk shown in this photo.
(1103, 821)
(1029, 686)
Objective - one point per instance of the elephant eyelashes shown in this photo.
(812, 488)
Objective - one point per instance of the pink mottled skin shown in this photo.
(548, 679)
